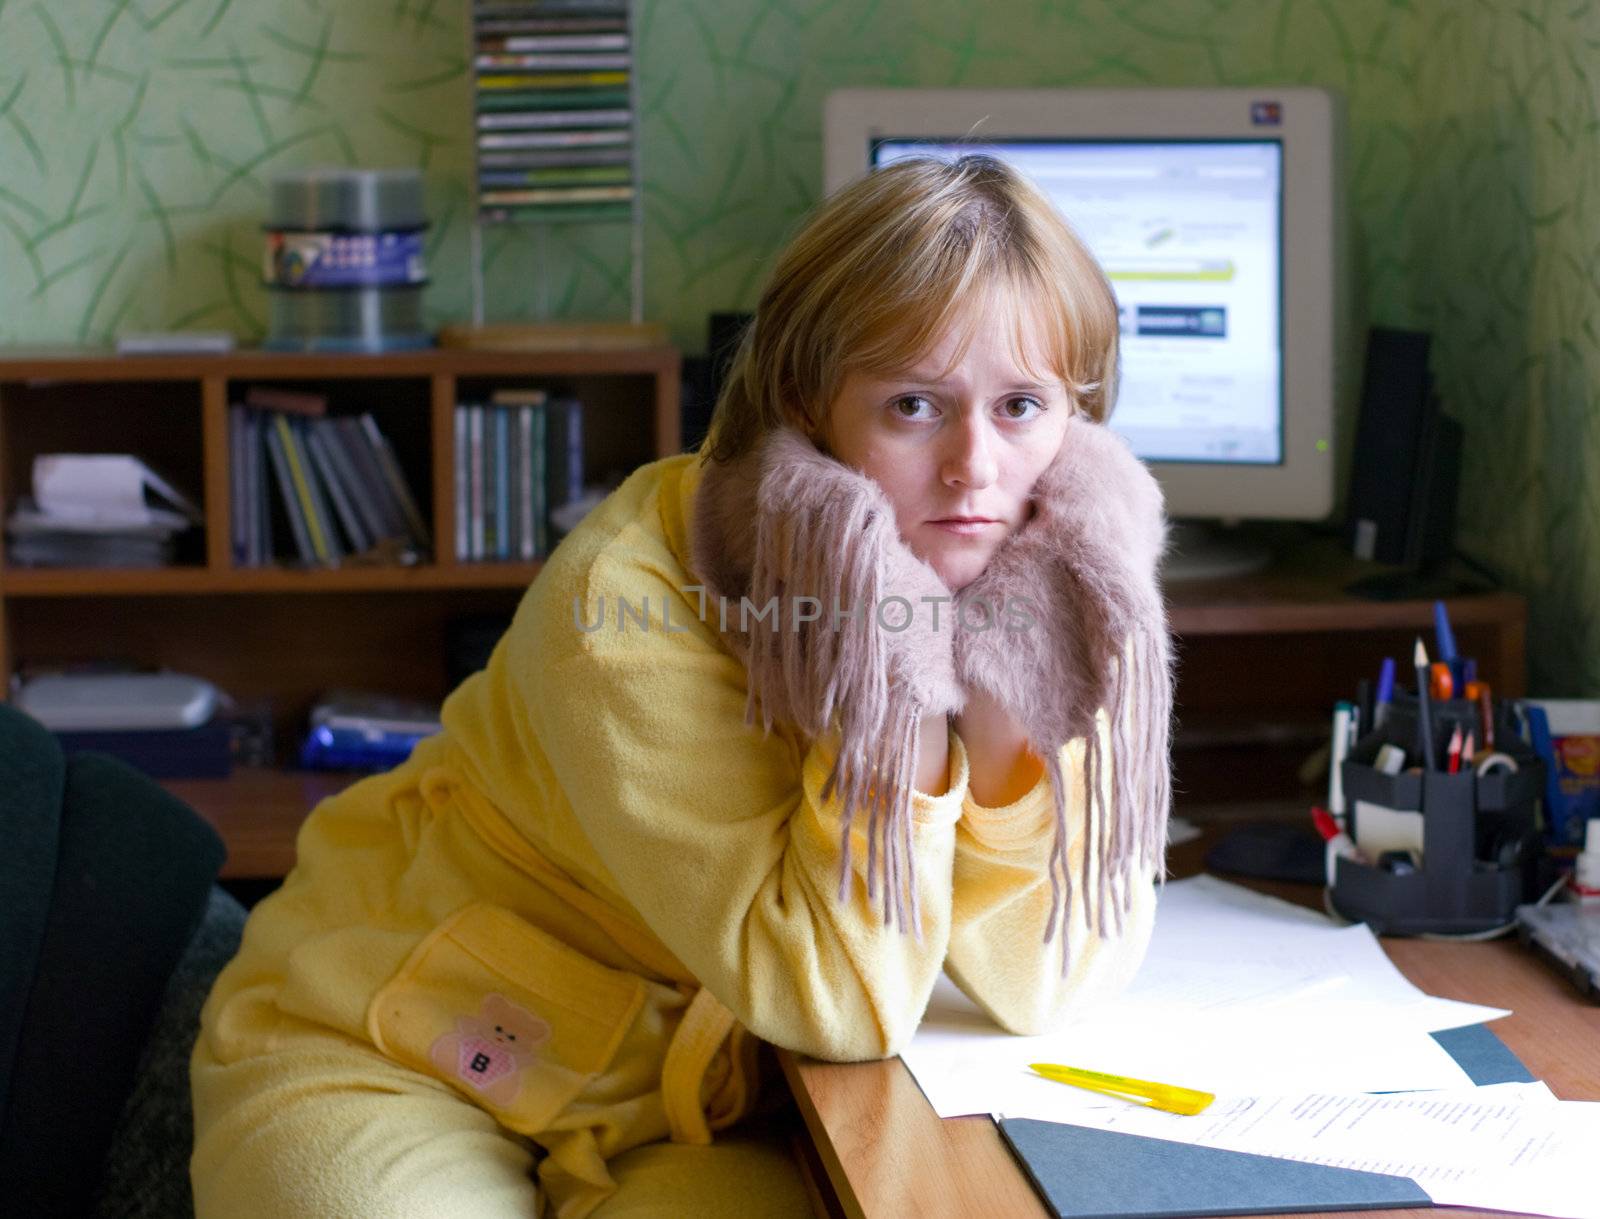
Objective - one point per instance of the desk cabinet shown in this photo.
(1262, 660)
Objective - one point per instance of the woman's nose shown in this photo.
(972, 462)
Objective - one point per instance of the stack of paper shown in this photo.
(89, 510)
(1292, 1022)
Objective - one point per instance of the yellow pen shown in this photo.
(1167, 1097)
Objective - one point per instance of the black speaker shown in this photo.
(703, 375)
(722, 340)
(1407, 462)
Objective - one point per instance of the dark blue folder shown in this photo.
(1101, 1174)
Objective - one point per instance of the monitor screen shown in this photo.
(1190, 233)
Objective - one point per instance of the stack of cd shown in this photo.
(344, 261)
(555, 110)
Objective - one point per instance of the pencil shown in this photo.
(1424, 718)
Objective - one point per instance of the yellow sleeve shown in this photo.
(719, 837)
(1001, 902)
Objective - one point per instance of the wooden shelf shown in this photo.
(99, 365)
(277, 638)
(179, 581)
(1302, 593)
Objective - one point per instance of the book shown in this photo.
(554, 139)
(564, 441)
(569, 159)
(475, 466)
(349, 519)
(501, 501)
(390, 521)
(238, 487)
(535, 505)
(463, 484)
(520, 44)
(395, 479)
(291, 501)
(549, 80)
(296, 402)
(562, 194)
(299, 485)
(547, 213)
(520, 13)
(552, 100)
(492, 26)
(363, 498)
(516, 179)
(519, 397)
(513, 119)
(319, 495)
(567, 61)
(516, 458)
(261, 539)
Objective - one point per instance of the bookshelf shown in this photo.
(280, 636)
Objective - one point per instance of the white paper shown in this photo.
(1238, 994)
(1506, 1146)
(1225, 947)
(964, 1064)
(101, 488)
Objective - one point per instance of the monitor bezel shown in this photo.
(1315, 298)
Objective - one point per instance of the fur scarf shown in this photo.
(840, 625)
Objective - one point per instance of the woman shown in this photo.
(551, 940)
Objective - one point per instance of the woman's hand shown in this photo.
(1003, 768)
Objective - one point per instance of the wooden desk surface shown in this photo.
(887, 1155)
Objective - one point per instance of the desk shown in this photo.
(885, 1154)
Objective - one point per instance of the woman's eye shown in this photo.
(1037, 408)
(914, 401)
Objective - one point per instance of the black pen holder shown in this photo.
(1478, 835)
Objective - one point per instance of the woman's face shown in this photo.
(957, 457)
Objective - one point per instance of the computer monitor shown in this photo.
(1217, 215)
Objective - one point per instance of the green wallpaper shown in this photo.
(137, 137)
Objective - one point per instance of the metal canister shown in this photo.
(343, 263)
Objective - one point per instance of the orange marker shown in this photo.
(1441, 684)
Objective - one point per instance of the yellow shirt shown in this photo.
(597, 835)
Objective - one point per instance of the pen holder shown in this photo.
(1477, 835)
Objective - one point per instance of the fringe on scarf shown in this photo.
(1125, 835)
(812, 675)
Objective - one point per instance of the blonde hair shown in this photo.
(883, 266)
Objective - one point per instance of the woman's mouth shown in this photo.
(964, 526)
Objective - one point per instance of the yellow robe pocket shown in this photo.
(506, 1013)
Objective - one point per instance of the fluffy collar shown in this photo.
(1065, 623)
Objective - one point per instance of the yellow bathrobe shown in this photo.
(555, 933)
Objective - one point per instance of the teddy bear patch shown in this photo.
(488, 1051)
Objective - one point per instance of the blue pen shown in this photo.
(1442, 633)
(1446, 639)
(1385, 695)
